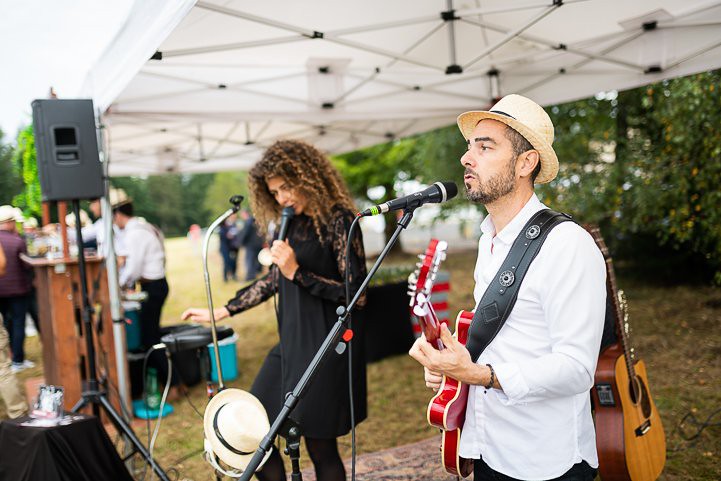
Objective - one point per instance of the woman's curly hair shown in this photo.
(306, 170)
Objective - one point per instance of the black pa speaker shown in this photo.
(67, 149)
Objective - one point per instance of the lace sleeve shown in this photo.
(333, 289)
(252, 294)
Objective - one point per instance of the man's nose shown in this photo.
(467, 159)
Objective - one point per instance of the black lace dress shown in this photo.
(306, 308)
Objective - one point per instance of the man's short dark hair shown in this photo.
(520, 144)
(126, 209)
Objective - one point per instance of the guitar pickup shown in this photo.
(643, 428)
(605, 395)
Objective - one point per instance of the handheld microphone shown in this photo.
(285, 218)
(435, 194)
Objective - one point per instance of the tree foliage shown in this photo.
(25, 159)
(10, 183)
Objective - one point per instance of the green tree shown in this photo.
(225, 185)
(10, 183)
(25, 159)
(383, 166)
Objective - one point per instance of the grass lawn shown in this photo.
(676, 330)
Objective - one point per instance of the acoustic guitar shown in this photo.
(629, 434)
(447, 410)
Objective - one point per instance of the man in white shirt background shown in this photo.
(528, 414)
(144, 265)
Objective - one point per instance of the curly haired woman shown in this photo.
(310, 286)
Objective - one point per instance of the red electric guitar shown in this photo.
(447, 409)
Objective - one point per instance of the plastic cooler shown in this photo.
(228, 359)
(132, 324)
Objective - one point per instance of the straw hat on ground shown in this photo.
(235, 423)
(527, 118)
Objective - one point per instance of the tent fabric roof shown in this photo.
(235, 75)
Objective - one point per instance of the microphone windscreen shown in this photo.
(451, 189)
(285, 218)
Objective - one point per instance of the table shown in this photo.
(77, 451)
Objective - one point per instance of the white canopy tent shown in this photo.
(235, 75)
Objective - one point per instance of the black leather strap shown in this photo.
(497, 302)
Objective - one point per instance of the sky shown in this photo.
(46, 43)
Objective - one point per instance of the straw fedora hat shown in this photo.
(235, 423)
(527, 118)
(84, 219)
(9, 213)
(118, 197)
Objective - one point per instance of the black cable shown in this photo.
(691, 418)
(350, 344)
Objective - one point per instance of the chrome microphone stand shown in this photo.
(235, 201)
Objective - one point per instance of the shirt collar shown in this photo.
(513, 228)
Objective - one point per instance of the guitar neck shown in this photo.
(612, 291)
(430, 325)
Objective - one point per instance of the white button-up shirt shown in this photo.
(544, 356)
(145, 253)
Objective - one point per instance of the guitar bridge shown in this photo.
(643, 428)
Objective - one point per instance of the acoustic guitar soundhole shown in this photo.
(640, 396)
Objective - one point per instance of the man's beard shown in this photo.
(494, 188)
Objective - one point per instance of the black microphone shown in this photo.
(285, 218)
(435, 194)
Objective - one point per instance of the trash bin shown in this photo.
(228, 359)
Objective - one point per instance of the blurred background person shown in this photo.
(15, 287)
(15, 404)
(228, 233)
(252, 242)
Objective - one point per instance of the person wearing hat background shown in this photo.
(15, 286)
(15, 403)
(528, 414)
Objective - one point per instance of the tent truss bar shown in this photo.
(514, 33)
(377, 71)
(580, 64)
(698, 52)
(225, 139)
(557, 45)
(232, 46)
(449, 17)
(382, 26)
(515, 8)
(313, 34)
(255, 18)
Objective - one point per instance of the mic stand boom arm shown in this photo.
(331, 340)
(235, 200)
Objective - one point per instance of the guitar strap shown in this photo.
(497, 302)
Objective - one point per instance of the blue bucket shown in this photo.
(228, 359)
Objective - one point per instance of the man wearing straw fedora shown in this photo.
(528, 413)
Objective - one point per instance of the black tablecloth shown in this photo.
(79, 451)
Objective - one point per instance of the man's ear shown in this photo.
(527, 162)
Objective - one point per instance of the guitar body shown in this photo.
(630, 439)
(629, 434)
(447, 410)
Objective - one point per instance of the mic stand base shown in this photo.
(323, 353)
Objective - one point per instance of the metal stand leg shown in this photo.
(92, 394)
